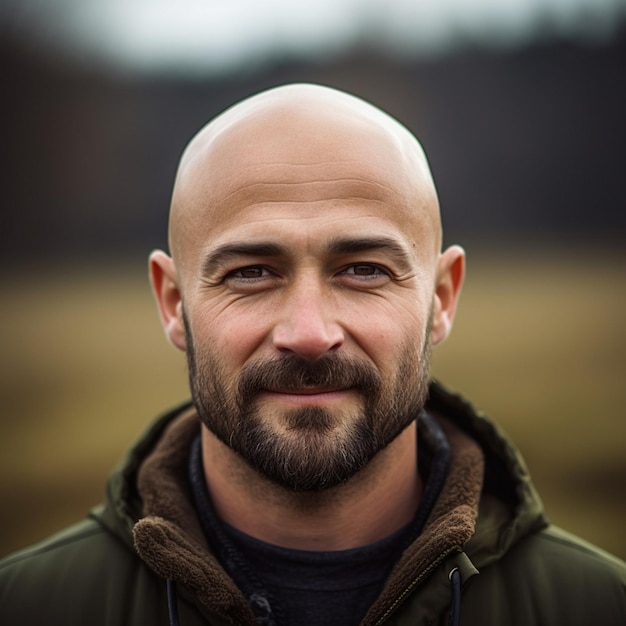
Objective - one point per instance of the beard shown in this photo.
(316, 448)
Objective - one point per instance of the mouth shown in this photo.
(307, 396)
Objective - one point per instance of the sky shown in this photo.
(218, 36)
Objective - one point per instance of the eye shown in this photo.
(364, 276)
(365, 270)
(253, 272)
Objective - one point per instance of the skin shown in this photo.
(296, 169)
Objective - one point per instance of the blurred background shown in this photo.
(521, 106)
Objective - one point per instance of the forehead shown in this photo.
(294, 167)
(295, 147)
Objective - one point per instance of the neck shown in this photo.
(380, 499)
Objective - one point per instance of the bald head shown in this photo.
(299, 144)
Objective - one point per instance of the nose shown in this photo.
(307, 325)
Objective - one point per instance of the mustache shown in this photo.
(291, 373)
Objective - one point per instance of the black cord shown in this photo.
(172, 603)
(455, 608)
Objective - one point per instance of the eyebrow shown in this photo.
(221, 255)
(350, 245)
(343, 245)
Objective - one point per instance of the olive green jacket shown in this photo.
(486, 555)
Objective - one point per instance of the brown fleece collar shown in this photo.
(170, 540)
(450, 525)
(169, 537)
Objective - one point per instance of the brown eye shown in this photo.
(365, 269)
(249, 273)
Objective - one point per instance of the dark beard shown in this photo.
(313, 454)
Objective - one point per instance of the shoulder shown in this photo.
(80, 542)
(83, 574)
(573, 560)
(553, 577)
(558, 541)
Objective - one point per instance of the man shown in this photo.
(318, 477)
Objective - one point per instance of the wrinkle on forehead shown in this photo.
(291, 143)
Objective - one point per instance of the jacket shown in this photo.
(486, 556)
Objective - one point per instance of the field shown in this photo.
(539, 345)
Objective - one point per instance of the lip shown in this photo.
(307, 395)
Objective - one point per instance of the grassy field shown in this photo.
(539, 345)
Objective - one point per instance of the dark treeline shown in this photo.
(526, 144)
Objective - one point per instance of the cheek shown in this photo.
(385, 331)
(231, 333)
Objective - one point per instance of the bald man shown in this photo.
(318, 477)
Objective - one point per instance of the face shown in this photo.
(305, 296)
(308, 353)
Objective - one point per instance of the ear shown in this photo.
(450, 274)
(167, 293)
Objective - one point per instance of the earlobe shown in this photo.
(168, 297)
(450, 275)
